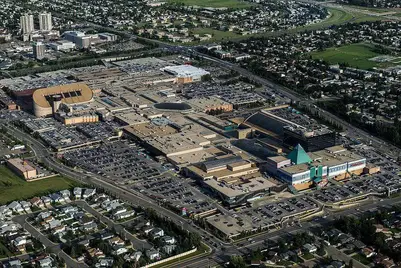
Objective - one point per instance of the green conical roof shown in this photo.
(299, 156)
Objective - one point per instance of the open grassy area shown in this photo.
(13, 187)
(340, 16)
(362, 259)
(215, 3)
(355, 55)
(307, 256)
(217, 35)
(337, 17)
(4, 252)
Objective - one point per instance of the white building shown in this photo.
(62, 45)
(45, 22)
(26, 24)
(186, 71)
(38, 49)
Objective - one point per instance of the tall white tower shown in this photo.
(45, 22)
(26, 24)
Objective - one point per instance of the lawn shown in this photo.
(215, 3)
(362, 259)
(307, 256)
(355, 55)
(4, 251)
(13, 187)
(216, 34)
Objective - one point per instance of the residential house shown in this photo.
(106, 236)
(56, 198)
(116, 241)
(118, 250)
(133, 257)
(77, 192)
(16, 207)
(5, 211)
(37, 202)
(124, 215)
(168, 240)
(12, 227)
(310, 248)
(65, 194)
(168, 249)
(59, 229)
(110, 205)
(105, 262)
(368, 252)
(88, 227)
(15, 263)
(153, 254)
(45, 262)
(19, 241)
(69, 209)
(156, 233)
(46, 200)
(25, 205)
(147, 229)
(88, 193)
(53, 224)
(95, 252)
(119, 210)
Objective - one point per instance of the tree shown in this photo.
(321, 251)
(237, 262)
(351, 263)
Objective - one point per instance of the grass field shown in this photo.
(215, 3)
(217, 35)
(362, 259)
(12, 187)
(355, 55)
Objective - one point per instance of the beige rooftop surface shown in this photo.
(86, 94)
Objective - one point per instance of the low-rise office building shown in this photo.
(22, 168)
(307, 169)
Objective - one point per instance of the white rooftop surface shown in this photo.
(185, 70)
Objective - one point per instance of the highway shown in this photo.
(220, 252)
(352, 131)
(43, 155)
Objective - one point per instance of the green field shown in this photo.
(355, 55)
(214, 3)
(217, 35)
(13, 188)
(362, 259)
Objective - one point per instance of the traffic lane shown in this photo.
(137, 243)
(53, 247)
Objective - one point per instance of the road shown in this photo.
(52, 247)
(352, 131)
(137, 243)
(129, 196)
(218, 254)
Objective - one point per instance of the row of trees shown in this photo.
(363, 229)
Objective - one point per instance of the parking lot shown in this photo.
(177, 192)
(98, 130)
(236, 94)
(119, 161)
(274, 212)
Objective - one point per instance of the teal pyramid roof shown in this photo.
(299, 156)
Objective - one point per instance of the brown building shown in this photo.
(22, 168)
